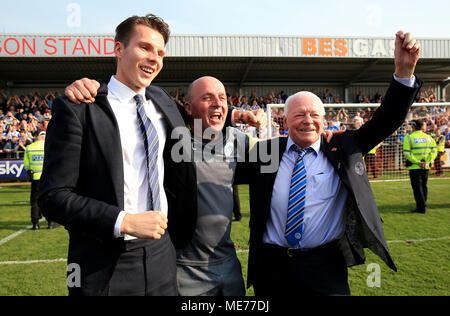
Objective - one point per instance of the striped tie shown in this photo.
(151, 144)
(296, 204)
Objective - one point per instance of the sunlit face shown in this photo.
(305, 119)
(208, 102)
(142, 60)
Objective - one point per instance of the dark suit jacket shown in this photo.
(82, 185)
(345, 152)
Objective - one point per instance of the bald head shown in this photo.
(304, 117)
(304, 97)
(207, 100)
(199, 83)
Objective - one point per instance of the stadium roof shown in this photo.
(236, 60)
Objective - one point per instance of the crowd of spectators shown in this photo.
(339, 118)
(21, 119)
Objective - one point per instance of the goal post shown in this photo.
(386, 161)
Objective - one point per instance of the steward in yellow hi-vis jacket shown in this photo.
(440, 143)
(33, 162)
(419, 150)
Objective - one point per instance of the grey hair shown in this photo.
(316, 100)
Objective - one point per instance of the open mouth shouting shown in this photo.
(215, 117)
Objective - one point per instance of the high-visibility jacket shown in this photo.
(440, 143)
(34, 158)
(419, 146)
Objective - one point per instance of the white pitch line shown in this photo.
(5, 240)
(404, 180)
(417, 240)
(238, 251)
(17, 233)
(33, 261)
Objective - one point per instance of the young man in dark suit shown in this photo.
(103, 175)
(313, 214)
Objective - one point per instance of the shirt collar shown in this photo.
(121, 91)
(315, 146)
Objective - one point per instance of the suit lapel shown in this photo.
(107, 133)
(167, 106)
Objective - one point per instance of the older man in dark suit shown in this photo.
(314, 214)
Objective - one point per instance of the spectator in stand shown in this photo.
(447, 137)
(359, 97)
(262, 103)
(356, 124)
(284, 96)
(10, 118)
(244, 105)
(359, 118)
(255, 105)
(342, 115)
(328, 96)
(11, 146)
(23, 142)
(332, 127)
(2, 137)
(440, 143)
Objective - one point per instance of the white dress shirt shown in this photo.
(324, 218)
(123, 104)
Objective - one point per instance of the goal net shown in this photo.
(386, 161)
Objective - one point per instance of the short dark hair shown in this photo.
(124, 31)
(417, 124)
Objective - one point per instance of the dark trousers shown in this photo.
(419, 179)
(35, 210)
(145, 268)
(236, 203)
(320, 271)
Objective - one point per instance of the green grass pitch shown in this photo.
(419, 244)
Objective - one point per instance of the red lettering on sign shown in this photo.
(50, 46)
(17, 44)
(32, 49)
(104, 46)
(78, 42)
(65, 40)
(96, 48)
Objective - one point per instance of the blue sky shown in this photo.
(424, 18)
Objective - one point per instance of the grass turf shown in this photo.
(419, 244)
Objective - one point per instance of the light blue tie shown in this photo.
(151, 144)
(296, 204)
